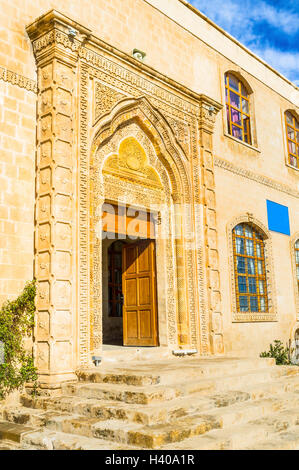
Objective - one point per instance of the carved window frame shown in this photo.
(285, 136)
(237, 73)
(294, 266)
(249, 317)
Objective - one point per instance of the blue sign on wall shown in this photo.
(278, 218)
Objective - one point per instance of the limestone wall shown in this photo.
(17, 192)
(185, 47)
(236, 195)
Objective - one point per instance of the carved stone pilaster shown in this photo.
(55, 345)
(180, 252)
(207, 119)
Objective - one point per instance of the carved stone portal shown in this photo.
(142, 140)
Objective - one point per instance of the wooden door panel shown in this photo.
(146, 324)
(144, 264)
(144, 289)
(132, 322)
(130, 288)
(139, 281)
(130, 266)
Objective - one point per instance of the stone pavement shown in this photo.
(180, 403)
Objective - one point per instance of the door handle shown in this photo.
(122, 298)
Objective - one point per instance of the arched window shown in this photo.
(250, 271)
(292, 127)
(297, 261)
(237, 108)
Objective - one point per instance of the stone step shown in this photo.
(265, 408)
(268, 427)
(122, 377)
(155, 412)
(268, 389)
(282, 420)
(103, 410)
(286, 440)
(165, 372)
(243, 436)
(230, 407)
(164, 406)
(121, 393)
(35, 418)
(161, 393)
(151, 414)
(9, 445)
(249, 379)
(13, 432)
(52, 440)
(134, 434)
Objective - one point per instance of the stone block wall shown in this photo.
(17, 183)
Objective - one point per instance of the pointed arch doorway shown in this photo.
(133, 164)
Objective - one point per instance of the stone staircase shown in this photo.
(181, 403)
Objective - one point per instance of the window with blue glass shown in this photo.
(250, 271)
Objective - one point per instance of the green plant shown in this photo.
(280, 353)
(16, 322)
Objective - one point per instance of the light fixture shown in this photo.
(139, 55)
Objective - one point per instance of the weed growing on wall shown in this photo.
(16, 322)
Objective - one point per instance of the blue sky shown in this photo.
(268, 28)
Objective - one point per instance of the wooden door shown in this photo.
(139, 289)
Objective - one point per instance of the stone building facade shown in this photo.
(99, 113)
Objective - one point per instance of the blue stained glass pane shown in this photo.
(235, 100)
(240, 246)
(252, 285)
(242, 284)
(260, 267)
(241, 265)
(258, 250)
(248, 231)
(249, 247)
(245, 106)
(236, 117)
(237, 132)
(239, 230)
(250, 266)
(243, 303)
(233, 83)
(253, 304)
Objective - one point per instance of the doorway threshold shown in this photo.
(116, 353)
